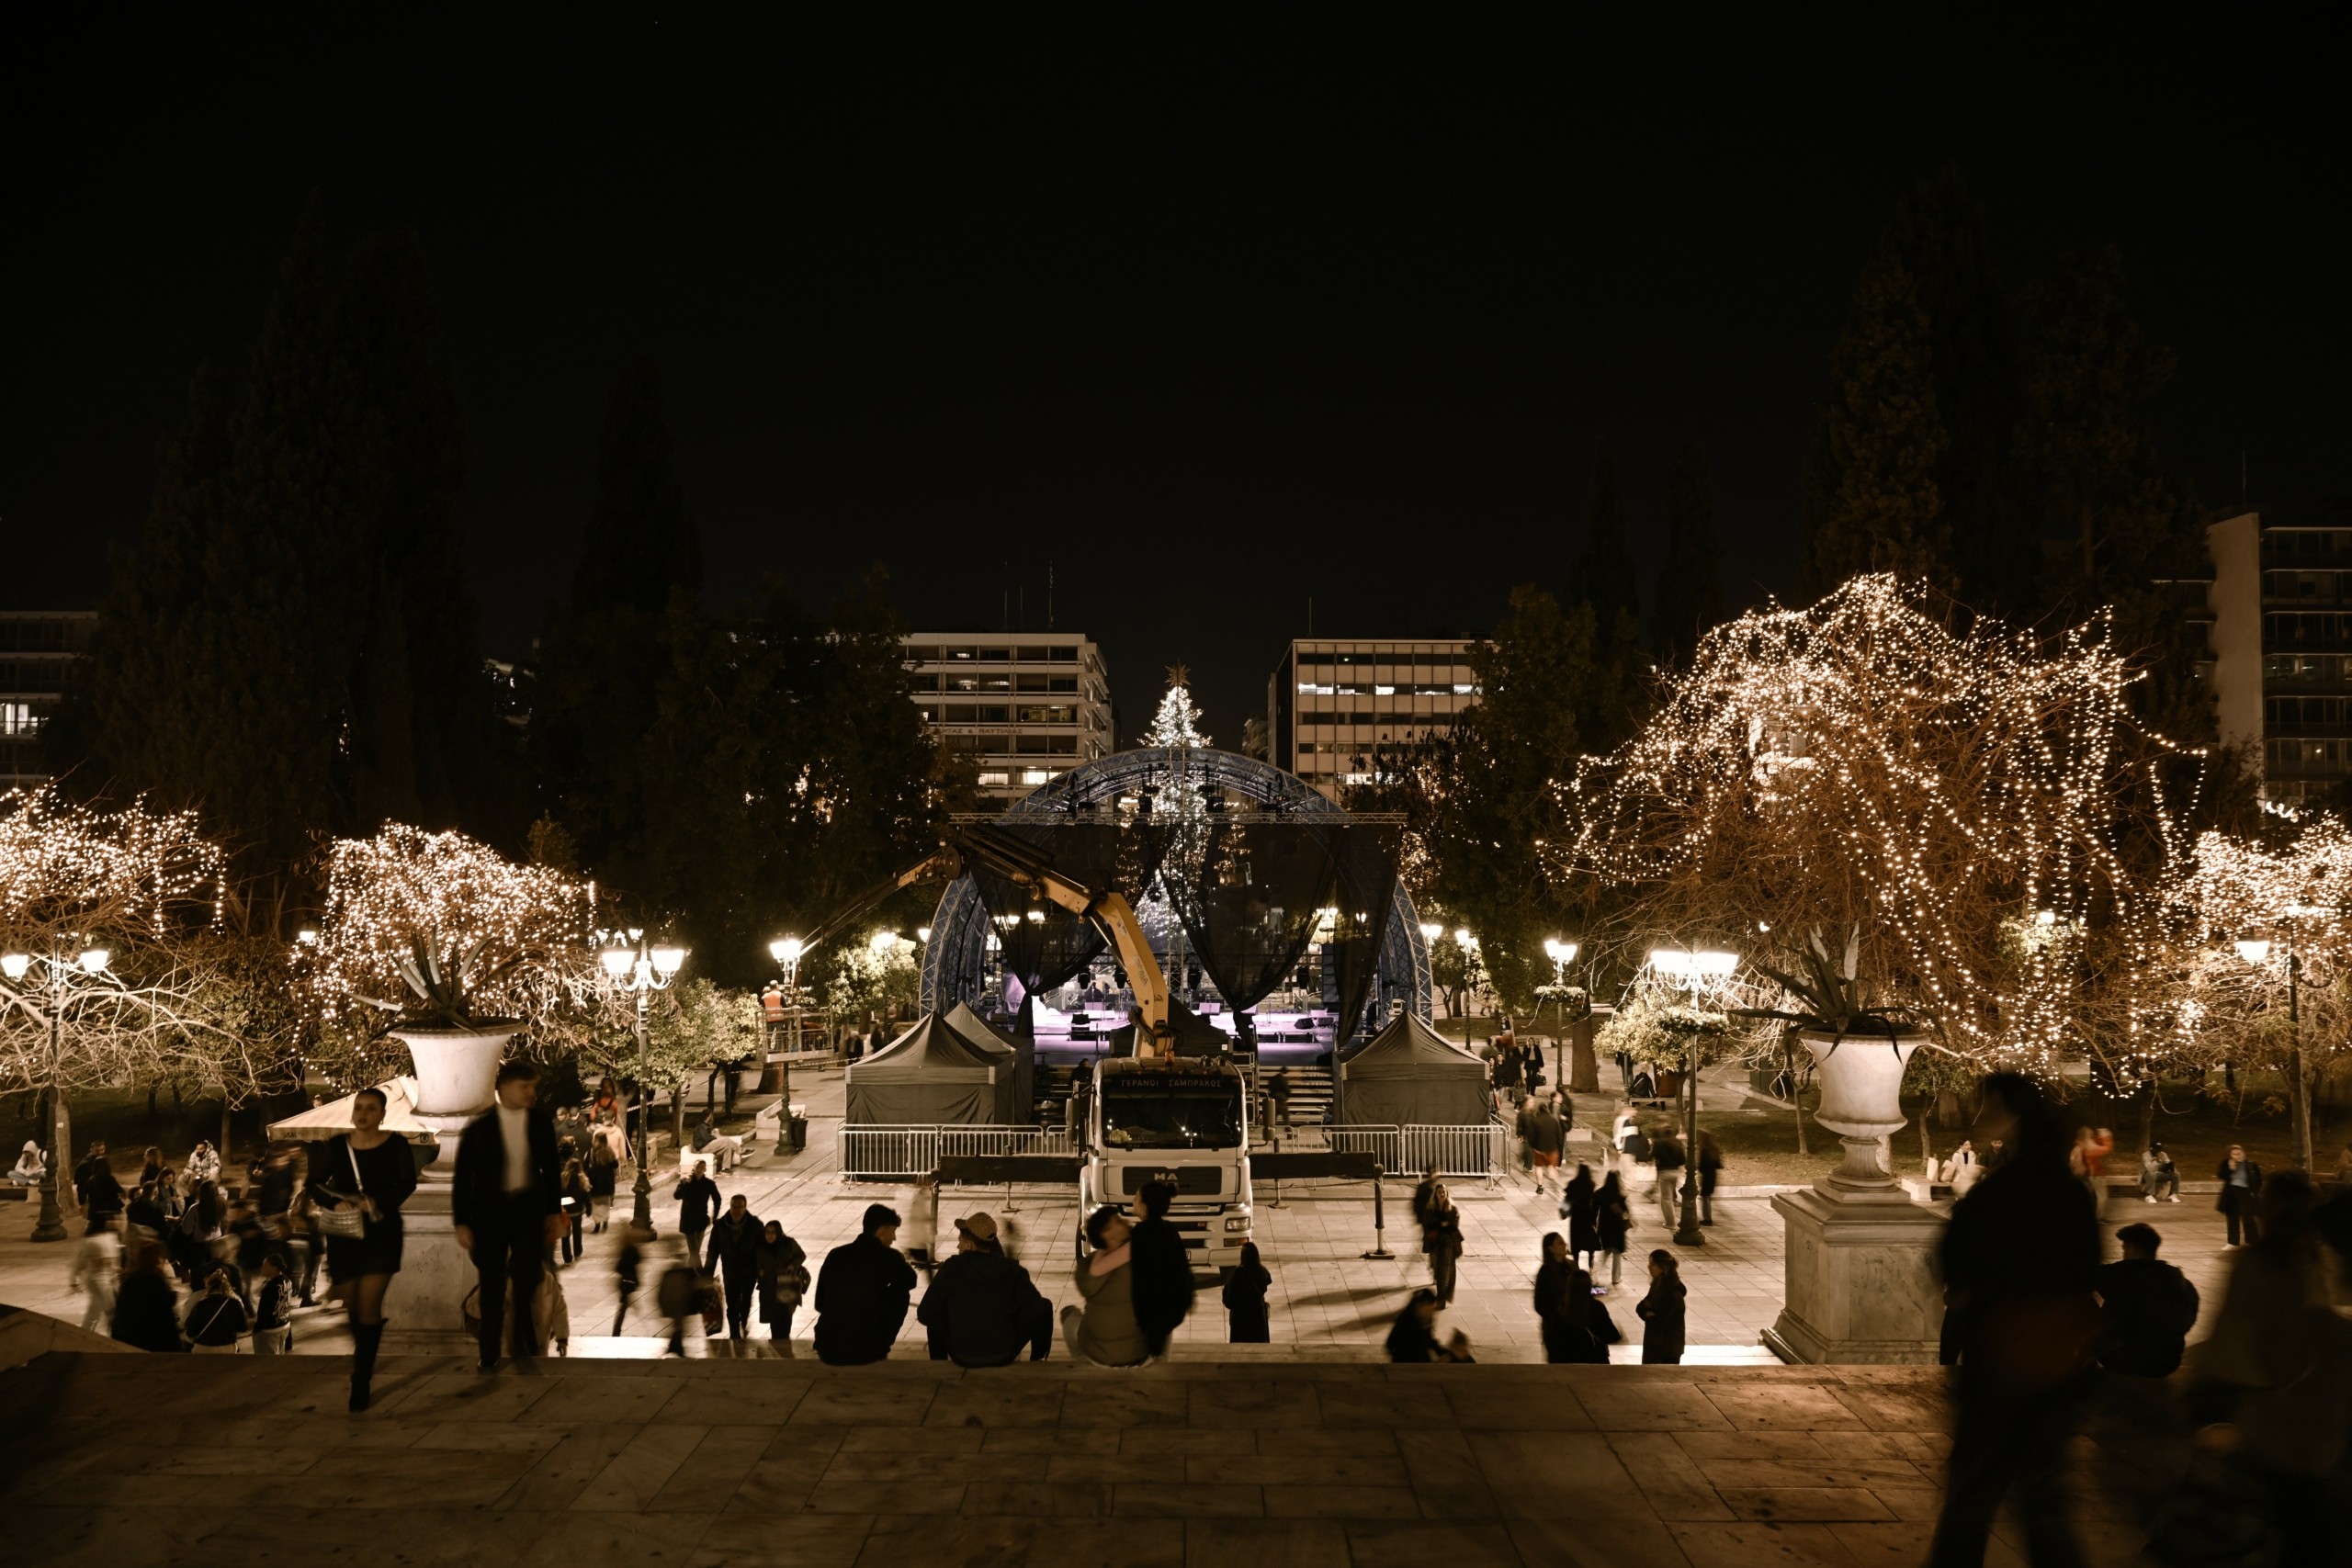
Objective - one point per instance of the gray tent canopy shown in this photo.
(928, 1077)
(1016, 1063)
(1409, 1075)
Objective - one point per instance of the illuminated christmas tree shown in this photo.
(1178, 722)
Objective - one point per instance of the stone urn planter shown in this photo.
(1861, 1098)
(456, 1072)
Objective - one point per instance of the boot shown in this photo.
(366, 1338)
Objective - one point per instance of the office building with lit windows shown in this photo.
(37, 648)
(1348, 699)
(2279, 629)
(1026, 707)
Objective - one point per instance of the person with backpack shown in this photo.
(217, 1323)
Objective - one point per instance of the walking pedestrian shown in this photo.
(2276, 1370)
(982, 1308)
(1663, 1312)
(1577, 1328)
(2020, 1269)
(784, 1280)
(1580, 1206)
(94, 1185)
(505, 1200)
(273, 1308)
(1424, 1195)
(1539, 1125)
(1613, 1221)
(1666, 1157)
(1552, 1275)
(2241, 1198)
(1278, 1090)
(1245, 1300)
(1163, 1271)
(734, 1246)
(577, 1196)
(1442, 1239)
(217, 1323)
(372, 1172)
(699, 1207)
(96, 1273)
(1711, 1166)
(146, 1308)
(605, 1146)
(862, 1293)
(1413, 1337)
(1104, 1329)
(629, 1268)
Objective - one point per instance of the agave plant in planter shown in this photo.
(454, 1044)
(1838, 1018)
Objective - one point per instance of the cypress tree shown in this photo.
(1873, 502)
(1937, 235)
(1690, 597)
(641, 540)
(1605, 578)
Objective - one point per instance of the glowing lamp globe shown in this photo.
(668, 961)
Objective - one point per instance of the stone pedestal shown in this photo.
(425, 1308)
(1860, 1283)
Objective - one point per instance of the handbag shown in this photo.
(346, 1219)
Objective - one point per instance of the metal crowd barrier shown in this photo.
(1480, 1152)
(873, 1151)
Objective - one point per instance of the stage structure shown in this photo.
(1276, 914)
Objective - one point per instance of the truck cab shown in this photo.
(1184, 1120)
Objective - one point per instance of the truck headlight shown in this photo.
(1235, 1223)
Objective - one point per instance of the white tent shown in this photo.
(320, 1123)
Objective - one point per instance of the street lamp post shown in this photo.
(1560, 954)
(787, 952)
(633, 965)
(2257, 952)
(57, 969)
(1692, 972)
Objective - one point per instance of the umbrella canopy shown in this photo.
(1409, 1075)
(929, 1077)
(320, 1123)
(1017, 1061)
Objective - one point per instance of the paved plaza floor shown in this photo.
(1327, 1299)
(125, 1461)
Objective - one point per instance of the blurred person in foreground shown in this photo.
(2020, 1267)
(2273, 1383)
(982, 1308)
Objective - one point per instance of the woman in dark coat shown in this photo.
(784, 1279)
(375, 1170)
(1579, 1205)
(1245, 1300)
(1581, 1330)
(1551, 1294)
(1612, 1219)
(146, 1308)
(1662, 1311)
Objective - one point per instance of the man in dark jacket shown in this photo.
(698, 1208)
(506, 1201)
(862, 1293)
(2241, 1198)
(2148, 1306)
(735, 1246)
(1163, 1278)
(2020, 1268)
(982, 1307)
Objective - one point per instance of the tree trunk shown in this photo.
(1926, 1148)
(224, 1136)
(151, 1111)
(678, 1115)
(1948, 1109)
(1584, 1067)
(2148, 1114)
(1796, 1094)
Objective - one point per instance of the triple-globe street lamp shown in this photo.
(1561, 953)
(2256, 950)
(633, 965)
(1695, 974)
(788, 953)
(60, 970)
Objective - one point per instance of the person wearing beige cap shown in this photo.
(982, 1307)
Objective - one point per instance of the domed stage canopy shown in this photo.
(1275, 912)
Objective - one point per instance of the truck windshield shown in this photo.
(1164, 1114)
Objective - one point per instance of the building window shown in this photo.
(16, 718)
(994, 778)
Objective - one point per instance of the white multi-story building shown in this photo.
(2279, 614)
(37, 647)
(1348, 699)
(1026, 707)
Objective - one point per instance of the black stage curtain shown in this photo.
(1251, 901)
(1100, 856)
(1366, 860)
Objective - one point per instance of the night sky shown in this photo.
(1212, 319)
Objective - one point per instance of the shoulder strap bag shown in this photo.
(347, 1220)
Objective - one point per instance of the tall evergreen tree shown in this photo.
(1604, 574)
(1873, 502)
(641, 539)
(2091, 475)
(1938, 234)
(1690, 599)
